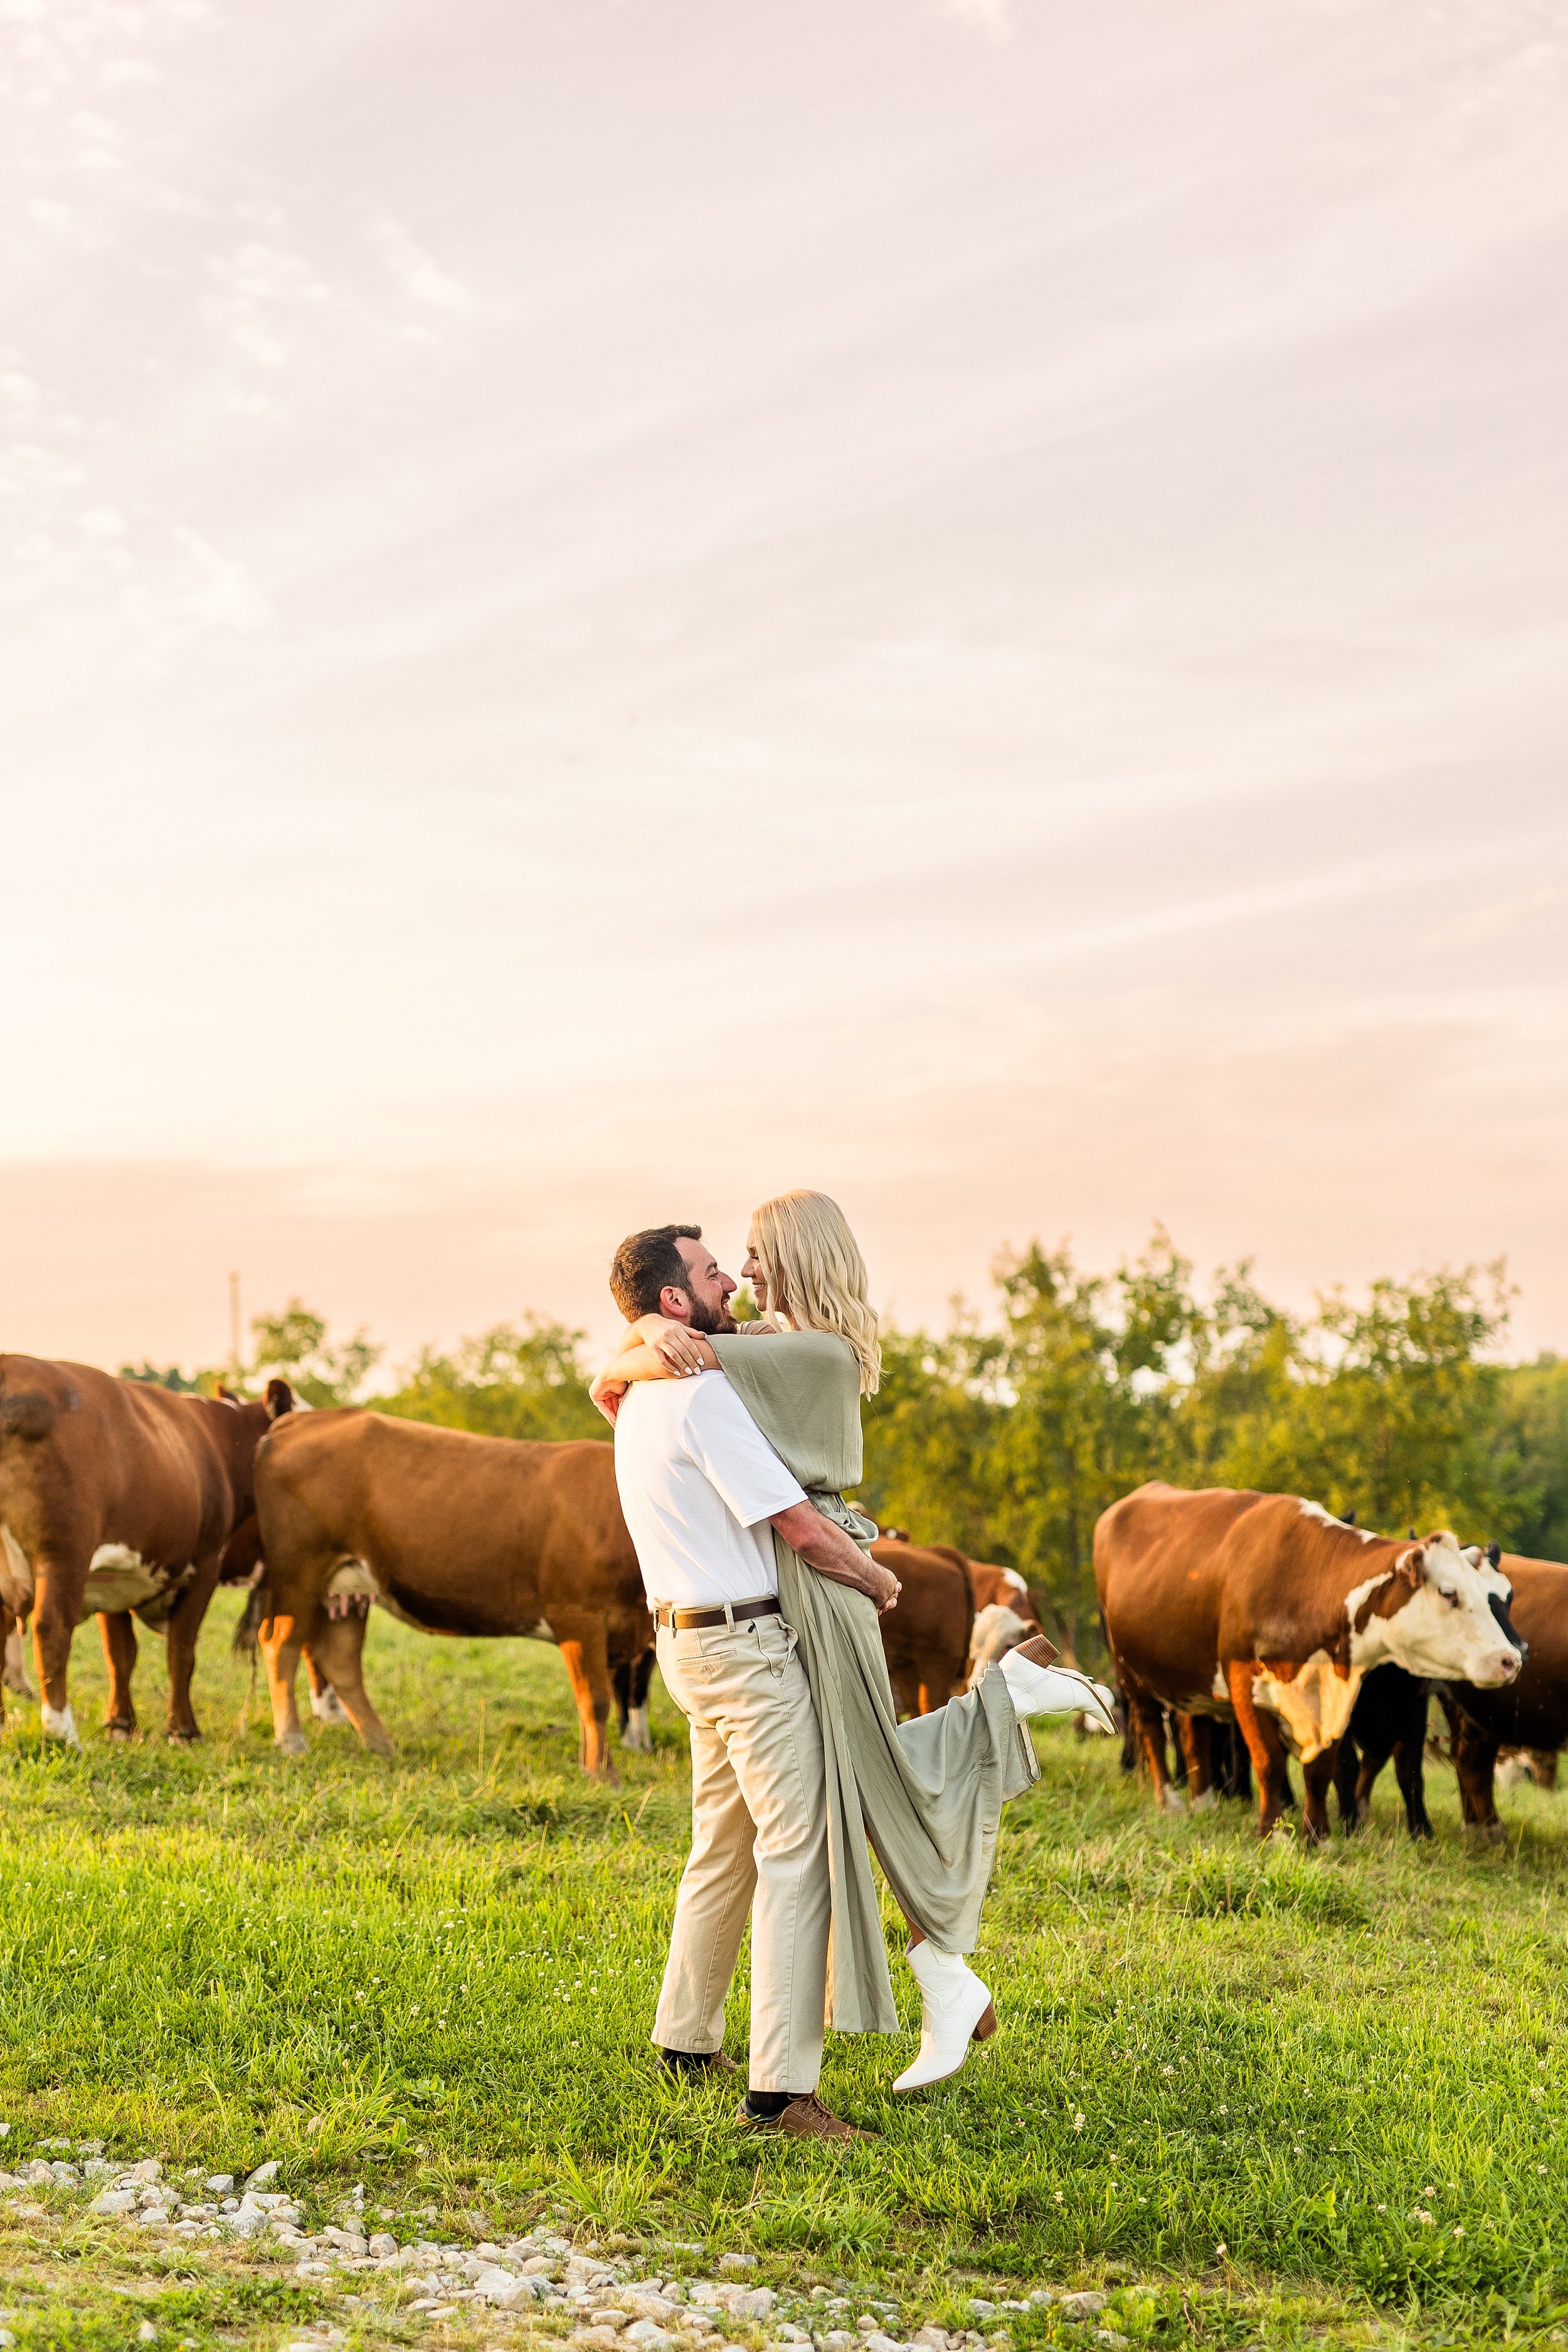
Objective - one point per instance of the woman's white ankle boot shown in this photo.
(955, 2010)
(1041, 1689)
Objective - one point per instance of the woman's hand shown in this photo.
(678, 1346)
(606, 1394)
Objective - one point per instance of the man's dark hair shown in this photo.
(645, 1262)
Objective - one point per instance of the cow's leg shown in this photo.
(1318, 1779)
(936, 1688)
(118, 1634)
(906, 1691)
(1149, 1719)
(1347, 1765)
(282, 1638)
(1264, 1745)
(1196, 1735)
(325, 1704)
(58, 1593)
(585, 1652)
(1474, 1764)
(184, 1625)
(337, 1645)
(620, 1685)
(635, 1731)
(1543, 1767)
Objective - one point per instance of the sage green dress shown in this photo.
(927, 1794)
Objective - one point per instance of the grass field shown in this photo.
(1229, 2083)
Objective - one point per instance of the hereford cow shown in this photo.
(1530, 1712)
(454, 1534)
(1264, 1607)
(1004, 1587)
(118, 1498)
(926, 1637)
(1390, 1717)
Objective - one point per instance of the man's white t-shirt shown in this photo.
(699, 1482)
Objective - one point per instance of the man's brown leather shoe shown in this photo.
(804, 2118)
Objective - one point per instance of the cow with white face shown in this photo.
(1265, 1609)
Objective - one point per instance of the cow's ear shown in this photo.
(228, 1395)
(280, 1400)
(1494, 1555)
(1412, 1566)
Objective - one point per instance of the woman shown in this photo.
(927, 1794)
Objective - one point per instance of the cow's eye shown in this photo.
(1451, 1598)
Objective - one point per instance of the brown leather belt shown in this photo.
(737, 1612)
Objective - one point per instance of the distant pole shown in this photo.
(234, 1321)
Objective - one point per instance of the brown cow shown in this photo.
(1264, 1607)
(119, 1497)
(926, 1637)
(452, 1533)
(1530, 1712)
(996, 1586)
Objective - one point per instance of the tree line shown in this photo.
(1007, 1435)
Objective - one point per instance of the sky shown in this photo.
(610, 607)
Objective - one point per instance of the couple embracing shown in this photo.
(733, 1446)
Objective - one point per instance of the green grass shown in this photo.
(436, 1977)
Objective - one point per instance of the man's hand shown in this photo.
(606, 1394)
(825, 1547)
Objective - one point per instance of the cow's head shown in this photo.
(1488, 1565)
(1438, 1617)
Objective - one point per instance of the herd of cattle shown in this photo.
(1255, 1624)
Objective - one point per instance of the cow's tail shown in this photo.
(257, 1610)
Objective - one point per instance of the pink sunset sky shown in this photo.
(613, 605)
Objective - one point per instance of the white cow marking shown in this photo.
(998, 1628)
(1313, 1707)
(61, 1724)
(16, 1677)
(15, 1574)
(636, 1735)
(327, 1706)
(1206, 1801)
(1018, 1583)
(119, 1579)
(543, 1631)
(1316, 1511)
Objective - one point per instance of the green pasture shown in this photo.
(1229, 2080)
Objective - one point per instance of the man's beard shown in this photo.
(708, 1320)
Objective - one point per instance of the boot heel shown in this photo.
(987, 2025)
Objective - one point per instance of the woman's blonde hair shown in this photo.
(816, 1276)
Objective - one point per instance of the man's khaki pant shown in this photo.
(759, 1826)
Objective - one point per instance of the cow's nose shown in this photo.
(1511, 1663)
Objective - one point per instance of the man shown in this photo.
(703, 1491)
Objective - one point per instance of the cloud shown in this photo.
(994, 17)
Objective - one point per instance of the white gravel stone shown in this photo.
(737, 2262)
(1082, 2306)
(756, 2305)
(264, 2174)
(384, 2243)
(218, 2184)
(114, 2201)
(148, 2169)
(645, 2332)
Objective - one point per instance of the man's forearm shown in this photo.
(831, 1553)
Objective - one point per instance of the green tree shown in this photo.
(1088, 1370)
(170, 1377)
(928, 1432)
(1530, 1457)
(293, 1346)
(1390, 1409)
(524, 1380)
